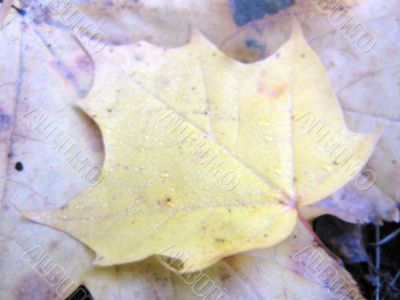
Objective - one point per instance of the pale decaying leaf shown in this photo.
(356, 206)
(367, 83)
(168, 24)
(196, 140)
(159, 22)
(41, 131)
(295, 269)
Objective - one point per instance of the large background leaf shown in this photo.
(366, 84)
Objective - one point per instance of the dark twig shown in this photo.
(378, 261)
(388, 238)
(393, 283)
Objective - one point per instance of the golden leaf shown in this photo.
(206, 156)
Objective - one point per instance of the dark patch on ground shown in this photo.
(81, 293)
(343, 238)
(254, 44)
(245, 11)
(365, 273)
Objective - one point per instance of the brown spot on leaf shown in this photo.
(54, 244)
(271, 89)
(225, 276)
(276, 90)
(165, 202)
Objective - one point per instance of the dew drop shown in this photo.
(164, 175)
(268, 138)
(327, 168)
(264, 122)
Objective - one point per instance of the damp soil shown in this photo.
(376, 268)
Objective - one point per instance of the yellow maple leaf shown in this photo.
(206, 156)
